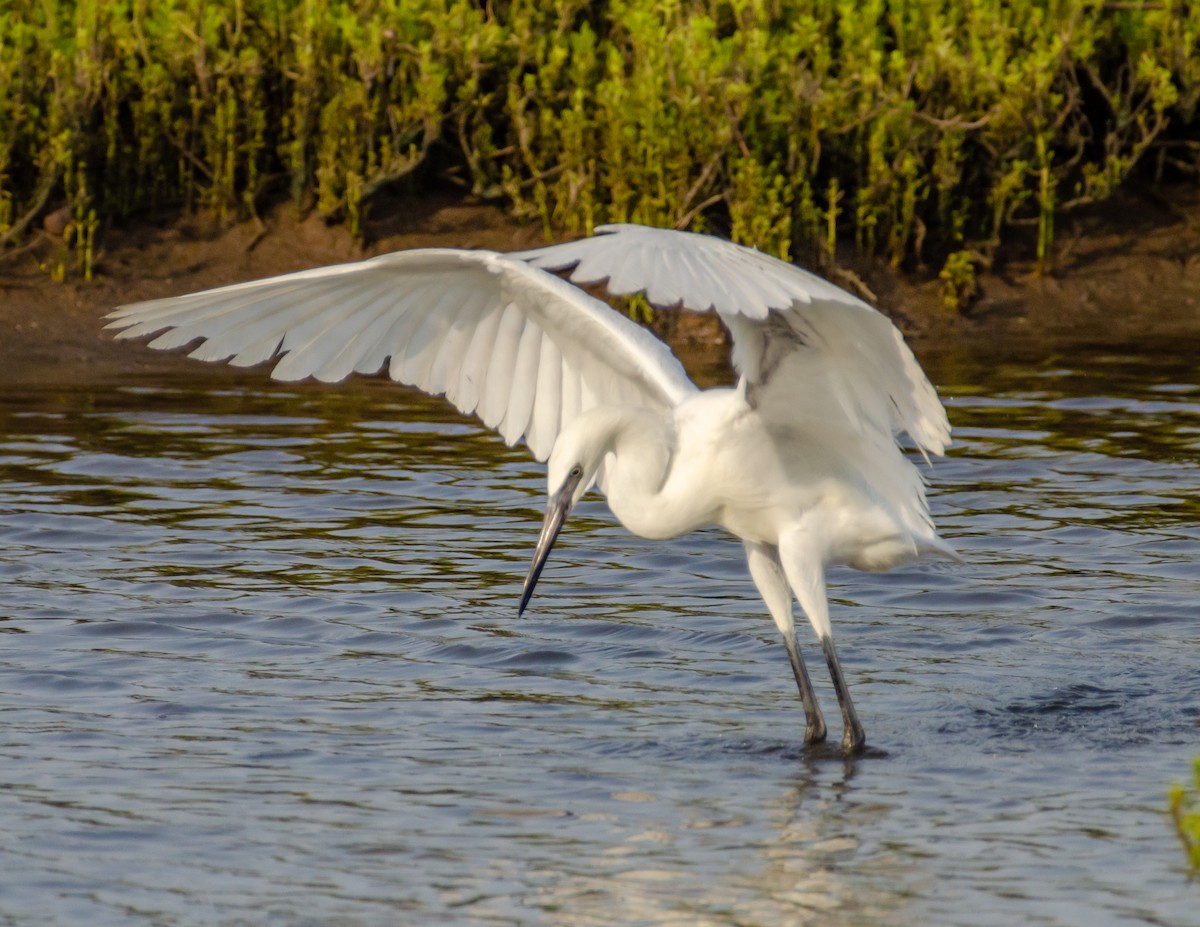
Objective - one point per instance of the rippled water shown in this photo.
(263, 666)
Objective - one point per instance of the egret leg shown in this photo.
(772, 585)
(814, 728)
(853, 738)
(801, 558)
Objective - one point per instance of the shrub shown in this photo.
(923, 130)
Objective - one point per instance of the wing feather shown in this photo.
(572, 393)
(802, 345)
(194, 307)
(474, 367)
(519, 408)
(498, 377)
(342, 342)
(443, 372)
(425, 337)
(246, 335)
(547, 399)
(521, 348)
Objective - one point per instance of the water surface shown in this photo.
(262, 665)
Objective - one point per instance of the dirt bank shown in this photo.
(1133, 264)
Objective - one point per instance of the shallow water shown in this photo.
(263, 666)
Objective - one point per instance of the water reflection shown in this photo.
(262, 665)
(645, 871)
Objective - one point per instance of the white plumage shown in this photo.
(799, 460)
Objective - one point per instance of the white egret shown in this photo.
(799, 460)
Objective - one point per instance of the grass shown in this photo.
(926, 131)
(1185, 811)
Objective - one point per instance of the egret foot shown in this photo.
(854, 740)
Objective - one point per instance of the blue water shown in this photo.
(261, 664)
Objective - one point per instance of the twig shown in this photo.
(37, 239)
(43, 195)
(686, 219)
(955, 123)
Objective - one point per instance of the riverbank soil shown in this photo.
(1130, 265)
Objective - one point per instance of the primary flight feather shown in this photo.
(800, 460)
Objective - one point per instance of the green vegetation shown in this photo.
(1185, 809)
(921, 129)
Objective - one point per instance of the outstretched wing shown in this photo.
(519, 347)
(803, 346)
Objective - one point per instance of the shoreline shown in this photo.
(1132, 265)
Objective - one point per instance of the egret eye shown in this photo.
(577, 470)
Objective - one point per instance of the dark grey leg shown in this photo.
(814, 729)
(853, 740)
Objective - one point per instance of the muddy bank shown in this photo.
(51, 328)
(1132, 265)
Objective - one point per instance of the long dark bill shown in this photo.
(557, 510)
